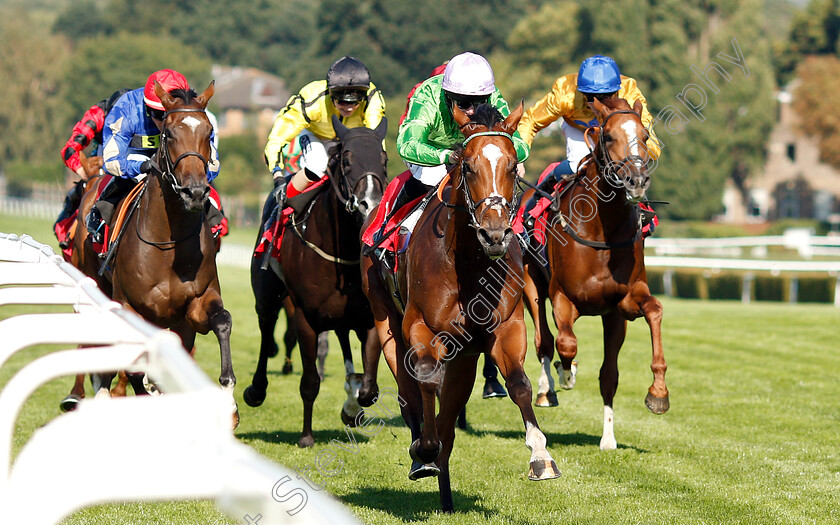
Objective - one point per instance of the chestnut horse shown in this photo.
(319, 269)
(596, 261)
(461, 280)
(164, 268)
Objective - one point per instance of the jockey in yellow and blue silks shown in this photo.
(569, 98)
(347, 93)
(429, 134)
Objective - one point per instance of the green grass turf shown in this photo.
(752, 437)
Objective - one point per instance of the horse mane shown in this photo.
(186, 95)
(486, 115)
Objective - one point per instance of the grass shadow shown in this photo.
(554, 438)
(413, 506)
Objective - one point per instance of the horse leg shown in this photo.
(310, 381)
(77, 393)
(387, 323)
(509, 354)
(208, 313)
(369, 390)
(321, 353)
(455, 392)
(427, 369)
(270, 296)
(657, 397)
(534, 299)
(352, 381)
(101, 384)
(615, 330)
(565, 314)
(122, 383)
(289, 337)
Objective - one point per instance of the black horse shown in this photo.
(319, 269)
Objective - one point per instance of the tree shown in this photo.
(815, 102)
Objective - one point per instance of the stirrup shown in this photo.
(95, 225)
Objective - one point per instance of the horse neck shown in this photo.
(332, 217)
(163, 208)
(613, 210)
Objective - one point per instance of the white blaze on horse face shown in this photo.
(191, 122)
(629, 128)
(493, 153)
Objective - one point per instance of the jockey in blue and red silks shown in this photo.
(131, 135)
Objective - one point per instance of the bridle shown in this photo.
(493, 201)
(343, 192)
(608, 167)
(168, 171)
(168, 174)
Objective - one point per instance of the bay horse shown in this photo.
(461, 282)
(319, 268)
(164, 268)
(596, 261)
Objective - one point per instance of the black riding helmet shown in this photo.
(348, 80)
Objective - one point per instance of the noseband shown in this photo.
(494, 200)
(169, 166)
(608, 167)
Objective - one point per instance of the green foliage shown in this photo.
(243, 171)
(813, 31)
(105, 64)
(32, 113)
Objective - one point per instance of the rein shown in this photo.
(345, 194)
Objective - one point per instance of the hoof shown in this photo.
(287, 367)
(567, 379)
(367, 397)
(306, 441)
(253, 396)
(657, 405)
(417, 454)
(542, 469)
(420, 470)
(547, 399)
(70, 403)
(492, 388)
(350, 421)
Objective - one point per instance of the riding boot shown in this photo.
(411, 190)
(214, 217)
(71, 204)
(545, 186)
(102, 211)
(492, 387)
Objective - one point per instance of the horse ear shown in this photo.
(340, 129)
(637, 107)
(204, 97)
(382, 129)
(460, 117)
(599, 108)
(512, 121)
(165, 98)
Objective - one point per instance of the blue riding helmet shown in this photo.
(598, 74)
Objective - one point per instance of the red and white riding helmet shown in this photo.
(169, 79)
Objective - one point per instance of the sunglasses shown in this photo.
(347, 102)
(468, 102)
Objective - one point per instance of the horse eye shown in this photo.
(607, 137)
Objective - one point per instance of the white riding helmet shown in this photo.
(469, 74)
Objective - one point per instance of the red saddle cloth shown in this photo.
(541, 210)
(385, 205)
(273, 235)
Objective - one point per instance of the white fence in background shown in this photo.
(180, 444)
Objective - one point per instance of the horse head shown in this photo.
(486, 175)
(185, 153)
(360, 172)
(620, 150)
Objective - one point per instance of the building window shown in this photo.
(791, 152)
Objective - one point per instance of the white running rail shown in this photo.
(181, 442)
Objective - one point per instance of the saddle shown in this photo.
(385, 236)
(276, 225)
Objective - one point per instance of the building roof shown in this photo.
(248, 88)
